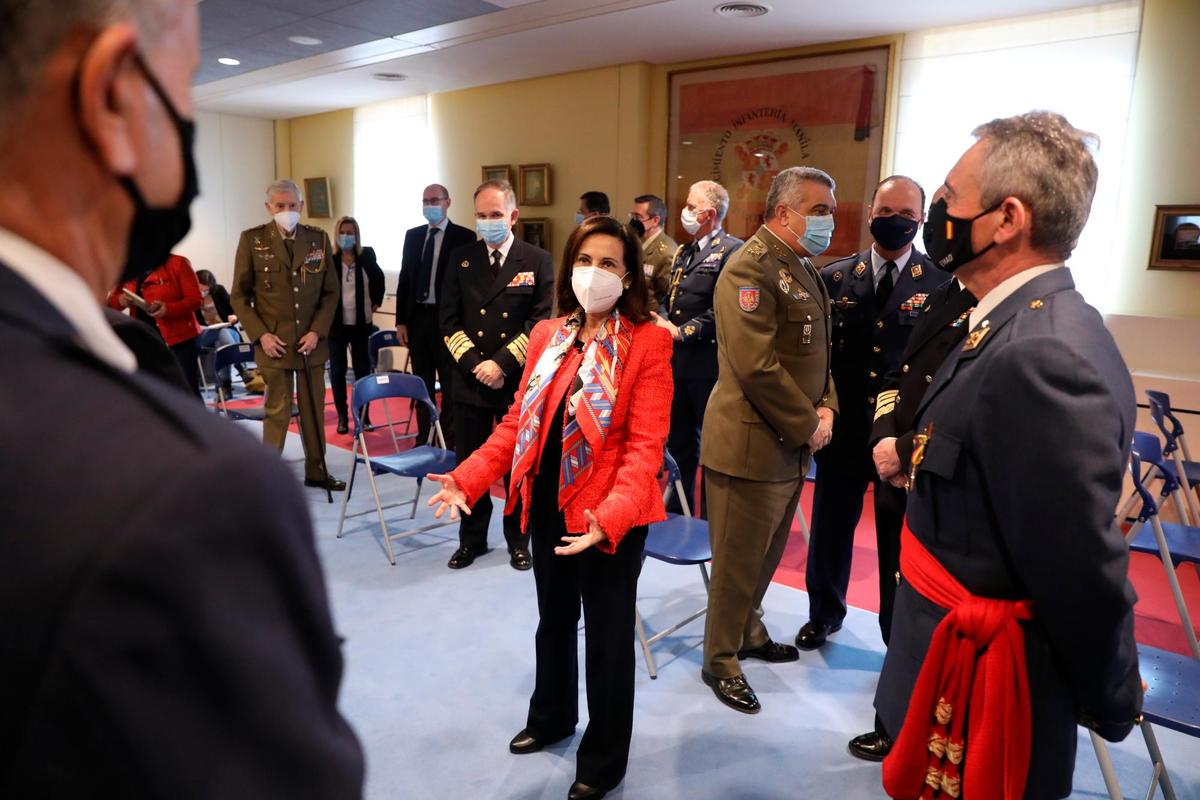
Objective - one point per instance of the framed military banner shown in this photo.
(318, 200)
(740, 125)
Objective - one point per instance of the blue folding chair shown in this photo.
(376, 342)
(416, 462)
(1172, 701)
(680, 539)
(229, 355)
(1173, 544)
(1181, 466)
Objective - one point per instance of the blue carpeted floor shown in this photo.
(439, 666)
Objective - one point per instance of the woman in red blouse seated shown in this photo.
(584, 440)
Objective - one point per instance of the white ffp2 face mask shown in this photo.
(287, 220)
(596, 289)
(690, 223)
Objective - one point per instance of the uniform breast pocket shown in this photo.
(907, 318)
(518, 290)
(941, 479)
(267, 262)
(802, 322)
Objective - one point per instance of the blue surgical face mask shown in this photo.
(578, 217)
(434, 214)
(492, 231)
(818, 233)
(346, 241)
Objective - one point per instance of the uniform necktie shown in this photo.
(425, 276)
(884, 289)
(289, 245)
(495, 263)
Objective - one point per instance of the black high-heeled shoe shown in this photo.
(343, 425)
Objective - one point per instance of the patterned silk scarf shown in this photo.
(589, 404)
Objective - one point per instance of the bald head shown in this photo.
(435, 202)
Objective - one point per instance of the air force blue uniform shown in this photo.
(868, 343)
(689, 305)
(1032, 419)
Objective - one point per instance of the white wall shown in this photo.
(235, 159)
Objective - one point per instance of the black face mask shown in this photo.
(948, 239)
(156, 230)
(894, 232)
(638, 226)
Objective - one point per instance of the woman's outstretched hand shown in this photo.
(449, 496)
(577, 544)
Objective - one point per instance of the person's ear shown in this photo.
(1014, 218)
(112, 97)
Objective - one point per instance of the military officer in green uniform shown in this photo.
(773, 406)
(285, 293)
(658, 249)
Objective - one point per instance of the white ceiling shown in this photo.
(529, 38)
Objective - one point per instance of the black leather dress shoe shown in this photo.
(343, 424)
(775, 652)
(520, 559)
(333, 484)
(463, 557)
(525, 742)
(581, 791)
(871, 746)
(734, 692)
(813, 635)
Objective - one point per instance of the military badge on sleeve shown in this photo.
(748, 298)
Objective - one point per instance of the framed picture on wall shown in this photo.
(496, 172)
(1176, 240)
(317, 199)
(741, 125)
(534, 189)
(535, 231)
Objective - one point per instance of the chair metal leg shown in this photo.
(1134, 530)
(803, 523)
(416, 498)
(1161, 776)
(1187, 490)
(641, 634)
(1106, 767)
(349, 487)
(387, 542)
(1173, 579)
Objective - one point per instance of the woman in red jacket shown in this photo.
(584, 440)
(173, 294)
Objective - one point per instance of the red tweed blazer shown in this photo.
(622, 490)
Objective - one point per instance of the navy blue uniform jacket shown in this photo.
(163, 619)
(689, 305)
(1015, 497)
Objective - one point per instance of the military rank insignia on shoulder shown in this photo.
(917, 272)
(748, 298)
(860, 269)
(756, 248)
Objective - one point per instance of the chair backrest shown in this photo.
(1160, 412)
(229, 354)
(675, 482)
(1149, 450)
(1149, 507)
(391, 384)
(379, 340)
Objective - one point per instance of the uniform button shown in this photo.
(678, 312)
(904, 368)
(929, 379)
(503, 335)
(483, 312)
(297, 305)
(504, 315)
(879, 324)
(875, 349)
(839, 323)
(897, 398)
(872, 374)
(479, 334)
(295, 288)
(871, 401)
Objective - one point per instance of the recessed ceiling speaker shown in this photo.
(741, 10)
(388, 76)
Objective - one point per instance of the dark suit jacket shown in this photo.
(1015, 498)
(867, 345)
(163, 619)
(367, 265)
(486, 318)
(941, 326)
(414, 245)
(689, 304)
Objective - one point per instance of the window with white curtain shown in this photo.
(393, 162)
(1079, 63)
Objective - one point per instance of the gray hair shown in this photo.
(282, 186)
(510, 197)
(1046, 163)
(31, 31)
(786, 186)
(714, 194)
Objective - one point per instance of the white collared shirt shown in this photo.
(877, 262)
(62, 287)
(503, 248)
(437, 252)
(1001, 291)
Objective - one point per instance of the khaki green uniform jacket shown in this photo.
(286, 298)
(657, 257)
(773, 341)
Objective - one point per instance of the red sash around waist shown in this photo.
(974, 673)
